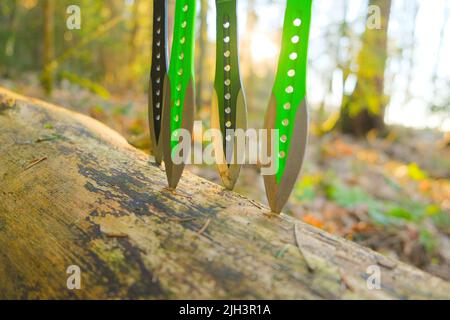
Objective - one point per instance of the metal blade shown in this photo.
(278, 192)
(229, 168)
(174, 171)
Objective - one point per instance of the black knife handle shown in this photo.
(159, 61)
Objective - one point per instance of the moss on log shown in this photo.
(74, 192)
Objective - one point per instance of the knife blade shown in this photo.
(229, 110)
(287, 111)
(179, 98)
(157, 76)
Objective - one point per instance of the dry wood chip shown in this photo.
(177, 194)
(34, 162)
(256, 204)
(182, 219)
(48, 138)
(205, 226)
(253, 202)
(116, 235)
(298, 241)
(113, 234)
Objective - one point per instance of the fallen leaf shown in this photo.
(310, 219)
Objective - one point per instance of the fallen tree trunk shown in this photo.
(74, 192)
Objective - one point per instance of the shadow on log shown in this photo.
(74, 192)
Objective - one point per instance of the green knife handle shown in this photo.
(159, 63)
(227, 80)
(181, 69)
(290, 81)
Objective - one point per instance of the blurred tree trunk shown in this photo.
(412, 46)
(364, 110)
(436, 68)
(13, 22)
(252, 19)
(334, 39)
(9, 21)
(134, 33)
(133, 45)
(203, 47)
(49, 45)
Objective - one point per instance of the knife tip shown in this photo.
(229, 185)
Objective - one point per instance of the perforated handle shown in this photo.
(227, 80)
(290, 82)
(159, 62)
(181, 70)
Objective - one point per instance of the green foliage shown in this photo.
(307, 188)
(381, 212)
(281, 253)
(401, 213)
(387, 214)
(347, 197)
(104, 50)
(442, 221)
(351, 198)
(428, 240)
(123, 109)
(391, 183)
(86, 84)
(415, 173)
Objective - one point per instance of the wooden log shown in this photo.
(74, 192)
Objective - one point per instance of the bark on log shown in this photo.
(79, 194)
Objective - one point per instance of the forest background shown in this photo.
(378, 165)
